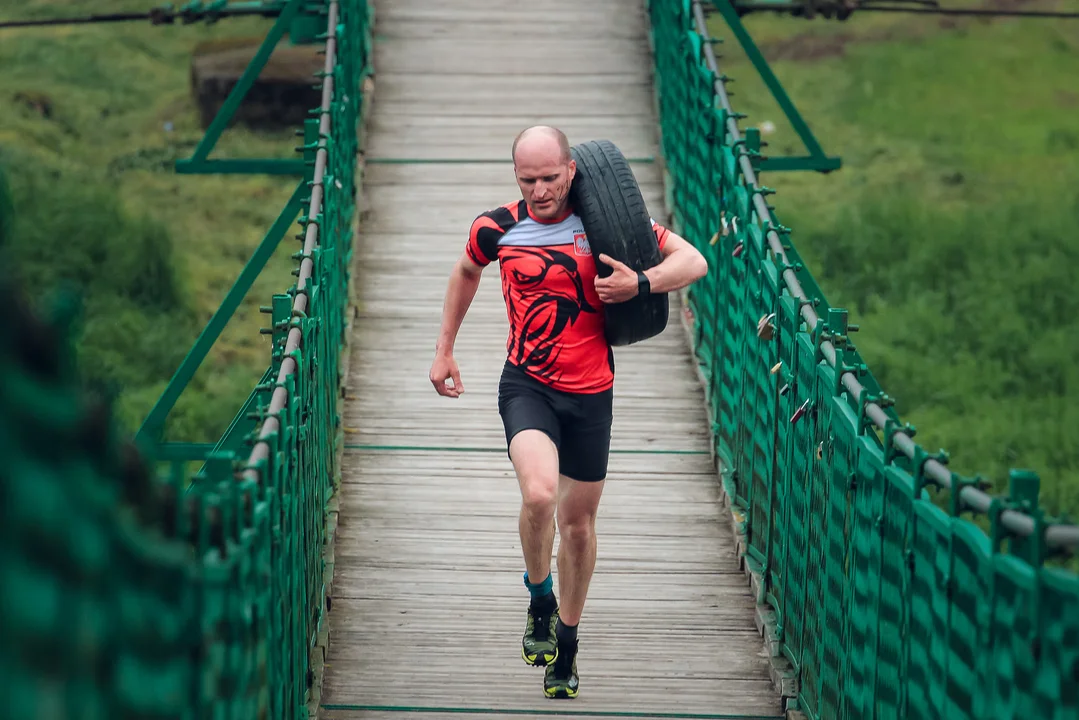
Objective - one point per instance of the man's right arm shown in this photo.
(480, 250)
(462, 286)
(461, 289)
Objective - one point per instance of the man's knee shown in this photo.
(535, 459)
(577, 511)
(539, 497)
(578, 532)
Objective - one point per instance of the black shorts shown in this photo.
(578, 423)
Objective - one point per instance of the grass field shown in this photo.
(950, 232)
(94, 179)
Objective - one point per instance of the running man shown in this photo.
(555, 393)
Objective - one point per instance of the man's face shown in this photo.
(545, 185)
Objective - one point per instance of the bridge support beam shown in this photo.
(303, 27)
(817, 159)
(153, 426)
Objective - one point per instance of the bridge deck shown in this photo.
(428, 604)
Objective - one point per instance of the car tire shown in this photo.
(607, 198)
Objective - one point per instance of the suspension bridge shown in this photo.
(772, 541)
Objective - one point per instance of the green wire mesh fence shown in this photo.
(126, 594)
(886, 603)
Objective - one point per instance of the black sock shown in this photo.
(544, 603)
(566, 634)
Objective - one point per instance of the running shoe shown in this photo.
(538, 646)
(560, 679)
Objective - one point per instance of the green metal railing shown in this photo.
(128, 594)
(886, 603)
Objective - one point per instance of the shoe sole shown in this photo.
(560, 693)
(539, 660)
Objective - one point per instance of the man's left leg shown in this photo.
(578, 503)
(583, 465)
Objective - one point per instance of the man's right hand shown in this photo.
(444, 368)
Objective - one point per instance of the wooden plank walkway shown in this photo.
(428, 604)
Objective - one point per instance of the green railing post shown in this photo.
(1023, 489)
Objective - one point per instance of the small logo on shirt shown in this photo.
(580, 244)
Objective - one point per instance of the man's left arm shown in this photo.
(682, 265)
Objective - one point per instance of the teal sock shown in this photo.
(541, 591)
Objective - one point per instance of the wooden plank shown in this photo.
(714, 657)
(492, 181)
(528, 21)
(382, 712)
(486, 421)
(726, 597)
(446, 144)
(512, 8)
(423, 24)
(522, 688)
(475, 712)
(403, 216)
(428, 603)
(516, 8)
(626, 132)
(459, 202)
(497, 57)
(477, 95)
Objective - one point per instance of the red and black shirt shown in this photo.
(556, 321)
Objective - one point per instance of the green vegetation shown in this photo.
(92, 118)
(950, 232)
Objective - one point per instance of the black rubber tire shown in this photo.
(608, 200)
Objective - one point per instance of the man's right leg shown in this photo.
(532, 435)
(535, 459)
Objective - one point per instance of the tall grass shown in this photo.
(92, 119)
(950, 231)
(968, 317)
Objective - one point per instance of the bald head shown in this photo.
(541, 143)
(544, 169)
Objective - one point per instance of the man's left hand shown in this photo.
(620, 285)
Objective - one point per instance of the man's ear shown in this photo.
(572, 168)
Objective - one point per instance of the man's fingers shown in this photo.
(604, 257)
(443, 388)
(440, 386)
